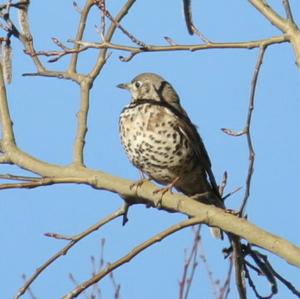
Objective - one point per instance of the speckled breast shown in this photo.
(154, 143)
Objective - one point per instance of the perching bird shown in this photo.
(162, 142)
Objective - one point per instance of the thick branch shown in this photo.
(270, 14)
(86, 84)
(7, 129)
(82, 117)
(171, 202)
(287, 26)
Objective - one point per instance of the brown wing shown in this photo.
(170, 100)
(190, 132)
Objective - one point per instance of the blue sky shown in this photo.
(214, 87)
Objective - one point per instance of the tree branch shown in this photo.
(134, 252)
(193, 48)
(171, 202)
(119, 212)
(7, 125)
(247, 129)
(288, 11)
(270, 14)
(288, 27)
(83, 18)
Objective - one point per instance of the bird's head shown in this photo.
(150, 86)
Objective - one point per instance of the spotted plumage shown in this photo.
(161, 141)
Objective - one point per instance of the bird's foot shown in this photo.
(164, 190)
(138, 183)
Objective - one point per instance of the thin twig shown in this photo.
(188, 16)
(119, 212)
(135, 251)
(56, 54)
(103, 23)
(238, 258)
(75, 283)
(101, 5)
(232, 192)
(192, 29)
(96, 288)
(190, 262)
(31, 294)
(84, 13)
(176, 47)
(76, 7)
(288, 11)
(223, 183)
(46, 181)
(18, 177)
(253, 287)
(247, 129)
(26, 37)
(224, 291)
(269, 272)
(233, 133)
(215, 284)
(116, 286)
(238, 261)
(102, 58)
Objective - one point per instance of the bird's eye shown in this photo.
(137, 84)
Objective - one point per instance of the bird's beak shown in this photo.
(124, 86)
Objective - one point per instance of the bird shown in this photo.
(162, 142)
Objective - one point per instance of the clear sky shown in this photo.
(214, 87)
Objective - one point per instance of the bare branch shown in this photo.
(38, 182)
(102, 58)
(270, 14)
(238, 261)
(87, 82)
(32, 296)
(288, 11)
(188, 15)
(8, 138)
(81, 27)
(175, 47)
(233, 133)
(82, 116)
(75, 239)
(224, 291)
(26, 37)
(101, 5)
(247, 129)
(190, 262)
(134, 252)
(288, 27)
(57, 54)
(215, 284)
(192, 29)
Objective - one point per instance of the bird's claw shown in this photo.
(164, 190)
(138, 184)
